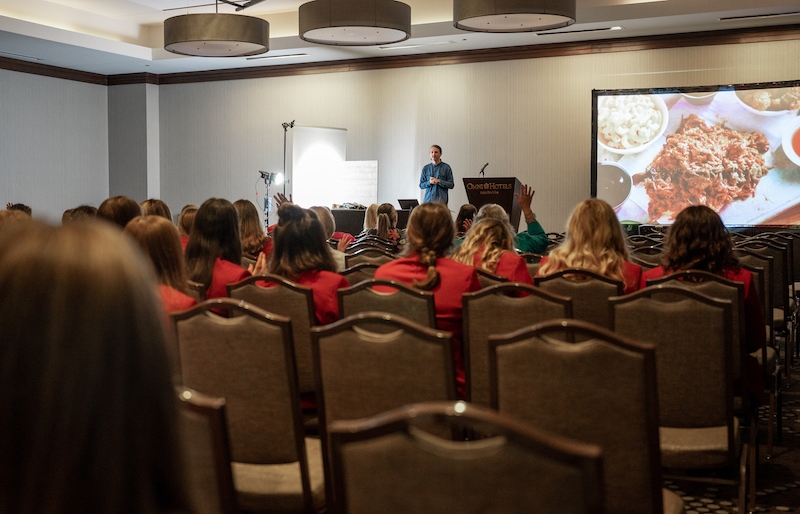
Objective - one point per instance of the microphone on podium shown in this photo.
(484, 167)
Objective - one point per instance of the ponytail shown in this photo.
(428, 258)
(384, 224)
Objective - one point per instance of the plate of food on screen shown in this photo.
(628, 124)
(703, 163)
(770, 101)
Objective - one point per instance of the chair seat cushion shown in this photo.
(277, 487)
(771, 356)
(673, 504)
(696, 448)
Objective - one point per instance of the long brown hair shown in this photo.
(251, 232)
(300, 244)
(89, 411)
(387, 219)
(698, 240)
(429, 235)
(215, 234)
(159, 240)
(156, 207)
(186, 219)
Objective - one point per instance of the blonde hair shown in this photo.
(371, 217)
(488, 238)
(594, 242)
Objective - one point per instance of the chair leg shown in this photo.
(743, 479)
(753, 462)
(771, 421)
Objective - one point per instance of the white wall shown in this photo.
(527, 118)
(53, 143)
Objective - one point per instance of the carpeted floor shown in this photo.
(778, 488)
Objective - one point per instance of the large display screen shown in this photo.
(735, 149)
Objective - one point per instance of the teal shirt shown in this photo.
(533, 241)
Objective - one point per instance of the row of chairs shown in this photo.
(348, 401)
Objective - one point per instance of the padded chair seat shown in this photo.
(696, 447)
(673, 504)
(778, 320)
(277, 487)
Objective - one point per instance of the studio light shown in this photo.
(512, 15)
(355, 22)
(216, 35)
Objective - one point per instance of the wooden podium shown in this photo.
(481, 191)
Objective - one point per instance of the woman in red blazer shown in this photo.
(594, 242)
(489, 245)
(429, 235)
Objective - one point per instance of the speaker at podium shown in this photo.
(501, 191)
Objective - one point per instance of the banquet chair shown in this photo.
(248, 260)
(767, 357)
(497, 310)
(359, 272)
(370, 255)
(389, 296)
(691, 333)
(601, 391)
(589, 292)
(248, 360)
(294, 301)
(487, 278)
(649, 254)
(532, 261)
(716, 286)
(204, 435)
(390, 464)
(361, 373)
(637, 241)
(196, 290)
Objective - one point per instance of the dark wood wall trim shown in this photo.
(717, 37)
(133, 78)
(35, 68)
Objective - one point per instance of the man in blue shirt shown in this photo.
(436, 178)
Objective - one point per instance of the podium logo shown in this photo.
(486, 186)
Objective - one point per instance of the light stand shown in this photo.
(286, 127)
(269, 178)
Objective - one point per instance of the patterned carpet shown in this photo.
(778, 488)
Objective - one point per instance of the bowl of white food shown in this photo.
(628, 124)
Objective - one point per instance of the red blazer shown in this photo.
(510, 266)
(753, 324)
(324, 285)
(225, 272)
(455, 279)
(173, 300)
(632, 275)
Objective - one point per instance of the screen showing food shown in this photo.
(735, 149)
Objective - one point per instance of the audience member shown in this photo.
(82, 213)
(89, 410)
(370, 219)
(429, 236)
(340, 239)
(534, 239)
(464, 219)
(12, 217)
(698, 240)
(489, 245)
(119, 210)
(214, 250)
(159, 240)
(156, 207)
(302, 255)
(594, 242)
(387, 225)
(19, 207)
(251, 231)
(185, 222)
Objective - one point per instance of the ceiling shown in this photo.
(112, 37)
